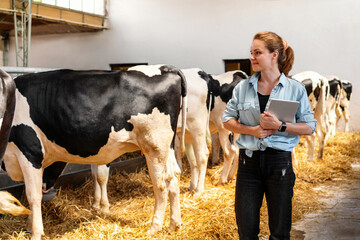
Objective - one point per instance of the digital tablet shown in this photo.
(284, 110)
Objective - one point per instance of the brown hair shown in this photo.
(275, 42)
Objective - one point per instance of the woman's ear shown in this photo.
(275, 54)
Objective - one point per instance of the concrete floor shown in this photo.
(339, 220)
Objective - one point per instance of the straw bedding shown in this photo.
(210, 216)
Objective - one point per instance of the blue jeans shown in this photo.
(267, 172)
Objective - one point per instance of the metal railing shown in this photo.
(16, 71)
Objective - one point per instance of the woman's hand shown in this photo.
(260, 132)
(269, 121)
(257, 131)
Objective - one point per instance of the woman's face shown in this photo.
(261, 59)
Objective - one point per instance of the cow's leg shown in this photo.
(154, 136)
(33, 189)
(215, 149)
(234, 167)
(201, 153)
(174, 192)
(100, 174)
(194, 169)
(178, 154)
(347, 120)
(310, 142)
(50, 175)
(157, 174)
(321, 138)
(229, 151)
(165, 181)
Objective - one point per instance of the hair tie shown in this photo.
(285, 44)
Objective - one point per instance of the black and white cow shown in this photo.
(228, 81)
(92, 117)
(324, 99)
(202, 90)
(8, 203)
(7, 108)
(344, 103)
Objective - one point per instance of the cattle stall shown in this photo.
(73, 174)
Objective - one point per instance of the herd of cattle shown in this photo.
(93, 117)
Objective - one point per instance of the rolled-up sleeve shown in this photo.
(304, 112)
(231, 111)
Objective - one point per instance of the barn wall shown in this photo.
(324, 34)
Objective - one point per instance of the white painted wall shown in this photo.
(325, 35)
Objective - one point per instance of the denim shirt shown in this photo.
(244, 106)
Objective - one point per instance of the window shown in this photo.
(89, 6)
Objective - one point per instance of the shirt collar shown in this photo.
(283, 80)
(255, 78)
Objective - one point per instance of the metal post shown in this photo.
(22, 23)
(29, 21)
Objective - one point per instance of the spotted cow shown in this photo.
(92, 117)
(202, 90)
(344, 103)
(8, 203)
(200, 86)
(7, 108)
(324, 98)
(228, 81)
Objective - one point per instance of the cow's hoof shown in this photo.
(36, 237)
(105, 210)
(174, 226)
(229, 180)
(96, 206)
(220, 183)
(153, 230)
(49, 195)
(198, 193)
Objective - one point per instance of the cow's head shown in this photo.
(313, 89)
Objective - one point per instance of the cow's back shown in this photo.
(78, 109)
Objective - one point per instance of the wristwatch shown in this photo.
(282, 127)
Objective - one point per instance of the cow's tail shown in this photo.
(183, 111)
(169, 68)
(8, 92)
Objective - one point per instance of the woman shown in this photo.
(265, 142)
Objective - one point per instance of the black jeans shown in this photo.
(268, 172)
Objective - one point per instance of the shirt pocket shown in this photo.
(249, 114)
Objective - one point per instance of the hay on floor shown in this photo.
(210, 216)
